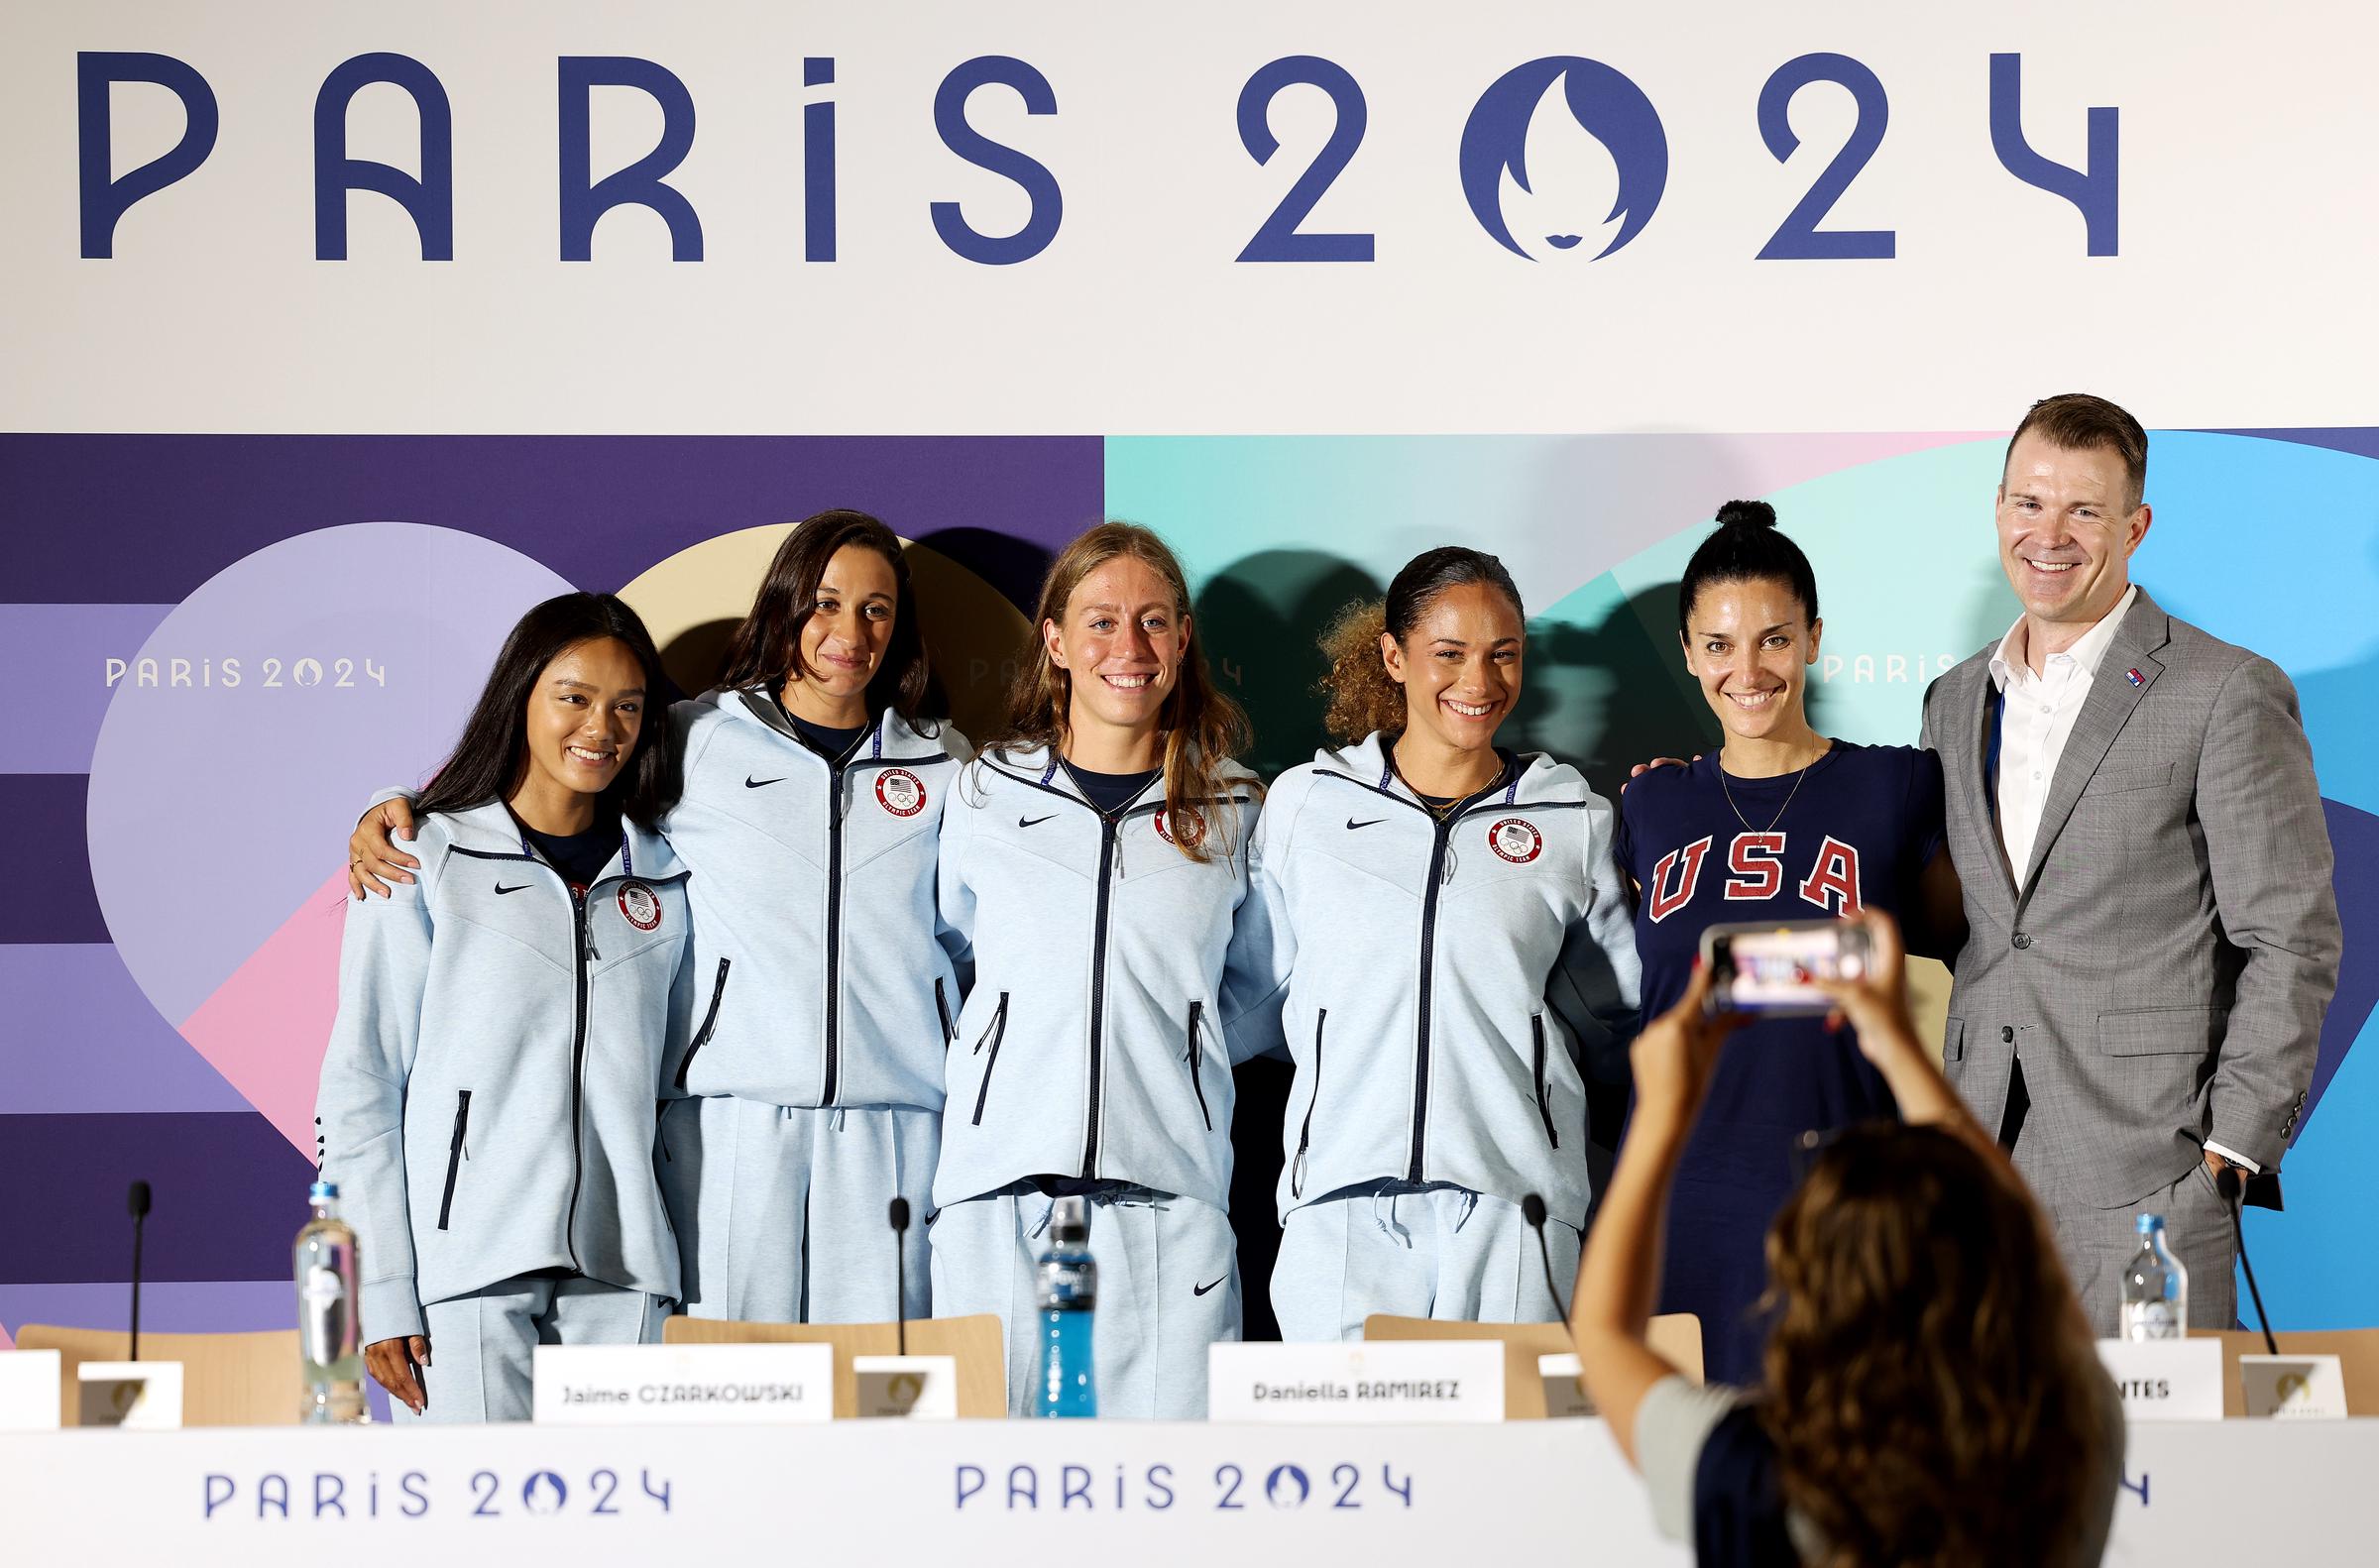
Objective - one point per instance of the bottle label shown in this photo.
(326, 1322)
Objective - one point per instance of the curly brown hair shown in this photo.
(1362, 696)
(1203, 727)
(1933, 1392)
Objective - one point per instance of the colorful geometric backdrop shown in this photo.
(223, 643)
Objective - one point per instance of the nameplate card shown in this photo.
(2294, 1387)
(2166, 1379)
(1358, 1383)
(137, 1395)
(1564, 1388)
(28, 1390)
(755, 1385)
(908, 1388)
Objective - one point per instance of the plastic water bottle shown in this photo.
(328, 1300)
(2155, 1287)
(1066, 1286)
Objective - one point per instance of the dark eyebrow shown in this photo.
(829, 588)
(588, 685)
(1457, 643)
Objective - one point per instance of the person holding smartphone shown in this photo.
(1448, 938)
(485, 1101)
(1782, 824)
(1931, 1391)
(805, 1091)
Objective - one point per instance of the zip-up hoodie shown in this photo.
(1094, 1039)
(1441, 984)
(819, 981)
(486, 1099)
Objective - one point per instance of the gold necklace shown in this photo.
(1789, 794)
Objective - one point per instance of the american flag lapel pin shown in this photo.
(2136, 678)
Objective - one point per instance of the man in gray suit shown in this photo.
(2152, 934)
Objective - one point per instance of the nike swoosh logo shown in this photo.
(514, 888)
(1204, 1288)
(751, 783)
(1029, 822)
(1352, 825)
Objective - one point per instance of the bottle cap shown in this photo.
(1069, 1222)
(2149, 1224)
(322, 1189)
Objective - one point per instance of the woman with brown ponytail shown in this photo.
(1447, 935)
(1092, 859)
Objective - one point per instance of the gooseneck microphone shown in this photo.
(1532, 1209)
(900, 1273)
(2227, 1183)
(136, 1200)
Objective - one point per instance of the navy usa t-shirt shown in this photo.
(1856, 835)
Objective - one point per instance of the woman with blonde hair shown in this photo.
(1932, 1396)
(1092, 859)
(1447, 938)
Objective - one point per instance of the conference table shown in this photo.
(1520, 1493)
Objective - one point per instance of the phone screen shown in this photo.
(1767, 969)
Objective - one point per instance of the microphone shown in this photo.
(900, 1273)
(136, 1200)
(2226, 1183)
(1532, 1209)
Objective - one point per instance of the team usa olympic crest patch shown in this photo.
(1516, 840)
(900, 792)
(640, 906)
(1163, 827)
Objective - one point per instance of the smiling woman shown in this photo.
(1433, 1102)
(484, 1030)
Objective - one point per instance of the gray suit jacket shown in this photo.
(2163, 963)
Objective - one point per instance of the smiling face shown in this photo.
(1120, 644)
(1749, 643)
(849, 624)
(2067, 525)
(582, 722)
(1459, 666)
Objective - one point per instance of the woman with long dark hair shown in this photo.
(485, 1101)
(1451, 938)
(806, 1089)
(1780, 823)
(1092, 864)
(1930, 1392)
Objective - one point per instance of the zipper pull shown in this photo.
(1445, 878)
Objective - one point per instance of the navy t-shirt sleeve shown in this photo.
(1927, 810)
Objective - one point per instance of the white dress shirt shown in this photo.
(2037, 722)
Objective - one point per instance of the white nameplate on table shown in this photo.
(2166, 1379)
(769, 1384)
(1357, 1382)
(908, 1388)
(1564, 1393)
(28, 1390)
(137, 1395)
(2294, 1387)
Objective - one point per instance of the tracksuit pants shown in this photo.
(1433, 1251)
(482, 1346)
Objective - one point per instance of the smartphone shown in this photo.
(1765, 969)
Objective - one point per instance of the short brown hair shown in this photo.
(2080, 422)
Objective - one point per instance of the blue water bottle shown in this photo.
(1067, 1286)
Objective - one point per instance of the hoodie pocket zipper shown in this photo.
(1197, 1065)
(950, 1025)
(1305, 1135)
(710, 1021)
(1544, 1104)
(993, 1033)
(454, 1153)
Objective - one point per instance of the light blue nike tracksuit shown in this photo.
(812, 1075)
(486, 1103)
(1441, 987)
(810, 1069)
(1093, 1050)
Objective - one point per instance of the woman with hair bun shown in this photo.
(1781, 824)
(1448, 936)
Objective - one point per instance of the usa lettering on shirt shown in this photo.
(1756, 867)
